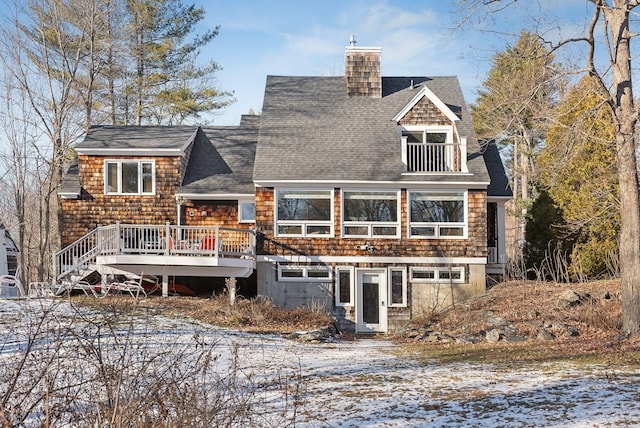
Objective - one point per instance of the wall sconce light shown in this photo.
(191, 213)
(203, 213)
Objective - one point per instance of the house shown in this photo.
(369, 196)
(8, 253)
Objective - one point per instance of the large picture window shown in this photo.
(437, 214)
(370, 214)
(130, 177)
(304, 212)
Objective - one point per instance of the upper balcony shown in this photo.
(424, 151)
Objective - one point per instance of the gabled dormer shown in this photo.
(429, 139)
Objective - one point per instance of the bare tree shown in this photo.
(42, 63)
(609, 27)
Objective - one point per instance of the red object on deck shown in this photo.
(208, 243)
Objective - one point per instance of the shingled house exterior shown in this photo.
(368, 195)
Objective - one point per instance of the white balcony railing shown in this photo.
(438, 157)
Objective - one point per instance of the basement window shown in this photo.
(305, 273)
(437, 274)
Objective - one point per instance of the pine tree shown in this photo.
(575, 166)
(513, 108)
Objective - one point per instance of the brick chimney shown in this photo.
(362, 71)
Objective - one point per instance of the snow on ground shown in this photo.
(367, 383)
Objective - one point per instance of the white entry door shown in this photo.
(371, 309)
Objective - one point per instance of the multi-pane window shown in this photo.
(304, 212)
(397, 287)
(437, 214)
(130, 177)
(344, 286)
(370, 214)
(437, 274)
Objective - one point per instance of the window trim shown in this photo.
(339, 286)
(119, 163)
(370, 224)
(436, 270)
(402, 269)
(446, 129)
(438, 225)
(242, 202)
(304, 269)
(304, 224)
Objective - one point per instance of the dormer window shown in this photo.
(428, 149)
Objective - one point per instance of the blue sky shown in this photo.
(421, 38)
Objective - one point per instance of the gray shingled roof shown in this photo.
(311, 130)
(136, 137)
(70, 183)
(499, 182)
(221, 161)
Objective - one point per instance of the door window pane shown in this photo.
(370, 299)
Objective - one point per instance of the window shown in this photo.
(344, 286)
(397, 287)
(437, 214)
(304, 213)
(428, 149)
(437, 274)
(371, 214)
(246, 211)
(304, 273)
(130, 177)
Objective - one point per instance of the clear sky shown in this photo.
(418, 38)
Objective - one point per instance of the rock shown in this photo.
(534, 314)
(494, 335)
(571, 332)
(545, 335)
(601, 295)
(468, 339)
(437, 337)
(516, 338)
(569, 298)
(495, 321)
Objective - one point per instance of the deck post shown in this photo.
(230, 283)
(165, 285)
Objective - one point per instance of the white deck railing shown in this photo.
(160, 240)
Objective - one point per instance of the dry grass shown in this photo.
(527, 304)
(252, 315)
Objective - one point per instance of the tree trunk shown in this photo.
(625, 120)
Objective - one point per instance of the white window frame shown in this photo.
(140, 163)
(370, 225)
(351, 285)
(304, 273)
(403, 270)
(304, 224)
(439, 273)
(242, 202)
(426, 129)
(439, 225)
